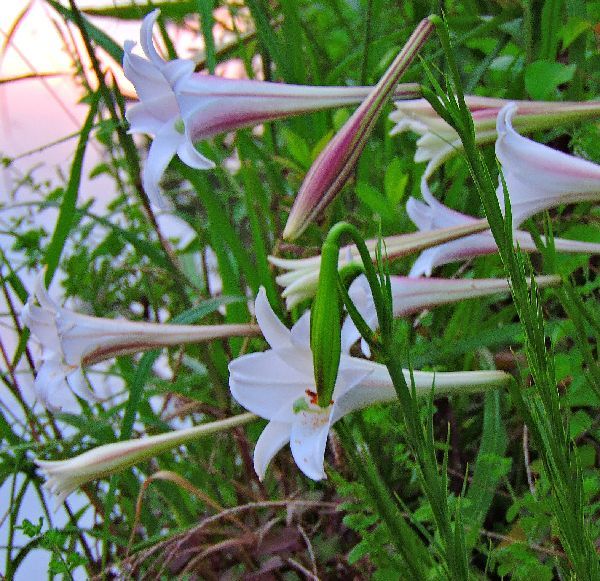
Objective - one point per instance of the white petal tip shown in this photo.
(505, 116)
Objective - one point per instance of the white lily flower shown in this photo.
(537, 176)
(411, 295)
(438, 141)
(158, 113)
(302, 276)
(432, 214)
(279, 386)
(65, 476)
(179, 107)
(70, 341)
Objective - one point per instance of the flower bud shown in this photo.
(334, 164)
(325, 325)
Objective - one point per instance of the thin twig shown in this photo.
(299, 567)
(526, 459)
(512, 540)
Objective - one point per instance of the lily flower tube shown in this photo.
(279, 385)
(412, 295)
(431, 214)
(302, 276)
(65, 476)
(439, 142)
(71, 341)
(331, 169)
(179, 107)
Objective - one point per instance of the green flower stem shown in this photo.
(253, 193)
(335, 235)
(420, 439)
(326, 312)
(539, 406)
(362, 326)
(407, 542)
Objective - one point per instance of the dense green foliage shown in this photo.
(474, 492)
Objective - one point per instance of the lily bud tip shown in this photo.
(293, 228)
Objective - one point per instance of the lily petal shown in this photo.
(331, 169)
(274, 437)
(78, 385)
(308, 440)
(279, 385)
(411, 295)
(172, 93)
(41, 321)
(274, 331)
(163, 148)
(537, 176)
(146, 77)
(71, 340)
(51, 386)
(147, 41)
(435, 215)
(300, 332)
(189, 155)
(361, 397)
(264, 382)
(438, 142)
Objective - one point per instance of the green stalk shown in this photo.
(219, 222)
(66, 216)
(125, 140)
(407, 542)
(252, 194)
(539, 406)
(205, 9)
(368, 33)
(420, 439)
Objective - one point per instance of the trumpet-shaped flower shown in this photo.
(179, 107)
(279, 386)
(331, 169)
(158, 113)
(65, 476)
(538, 177)
(438, 141)
(432, 214)
(411, 295)
(70, 340)
(302, 276)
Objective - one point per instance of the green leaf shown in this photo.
(358, 552)
(373, 199)
(550, 28)
(168, 9)
(542, 78)
(395, 181)
(205, 8)
(291, 30)
(490, 466)
(579, 423)
(572, 30)
(98, 36)
(31, 530)
(69, 202)
(297, 148)
(270, 40)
